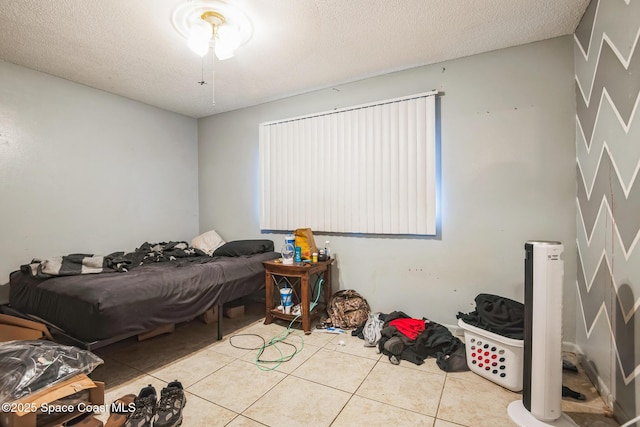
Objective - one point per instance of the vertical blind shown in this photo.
(364, 169)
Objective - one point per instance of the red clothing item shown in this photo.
(408, 327)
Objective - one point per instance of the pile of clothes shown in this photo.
(404, 338)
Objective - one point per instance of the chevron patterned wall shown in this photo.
(607, 67)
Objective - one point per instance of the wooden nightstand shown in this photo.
(306, 279)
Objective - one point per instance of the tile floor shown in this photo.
(325, 384)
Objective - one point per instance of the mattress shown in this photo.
(93, 307)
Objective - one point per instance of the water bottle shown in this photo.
(290, 239)
(327, 250)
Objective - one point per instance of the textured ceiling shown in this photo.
(130, 48)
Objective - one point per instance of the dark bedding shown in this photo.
(99, 306)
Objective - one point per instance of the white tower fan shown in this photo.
(541, 403)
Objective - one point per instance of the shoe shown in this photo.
(145, 408)
(169, 411)
(120, 410)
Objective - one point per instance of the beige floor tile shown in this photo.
(226, 346)
(282, 350)
(196, 334)
(334, 369)
(319, 339)
(153, 353)
(352, 345)
(242, 421)
(133, 351)
(296, 402)
(443, 423)
(429, 365)
(201, 413)
(248, 341)
(192, 368)
(366, 412)
(467, 376)
(404, 387)
(266, 331)
(236, 386)
(474, 403)
(252, 313)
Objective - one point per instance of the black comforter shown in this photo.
(100, 306)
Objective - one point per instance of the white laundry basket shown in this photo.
(497, 358)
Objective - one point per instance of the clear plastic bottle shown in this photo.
(327, 249)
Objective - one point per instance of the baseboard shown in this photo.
(455, 330)
(622, 417)
(592, 374)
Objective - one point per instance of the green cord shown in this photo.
(280, 338)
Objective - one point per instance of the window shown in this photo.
(364, 169)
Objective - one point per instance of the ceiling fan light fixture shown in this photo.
(202, 21)
(200, 35)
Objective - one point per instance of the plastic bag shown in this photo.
(27, 366)
(304, 239)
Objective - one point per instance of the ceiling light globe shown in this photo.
(230, 35)
(223, 52)
(200, 34)
(228, 39)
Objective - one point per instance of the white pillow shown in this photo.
(208, 242)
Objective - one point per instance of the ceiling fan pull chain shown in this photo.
(202, 82)
(213, 80)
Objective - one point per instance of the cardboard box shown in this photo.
(17, 328)
(210, 316)
(23, 412)
(233, 312)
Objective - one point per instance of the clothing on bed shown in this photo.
(74, 264)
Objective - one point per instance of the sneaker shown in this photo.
(172, 400)
(145, 408)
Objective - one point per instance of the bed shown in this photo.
(93, 310)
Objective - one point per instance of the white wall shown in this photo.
(508, 175)
(82, 170)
